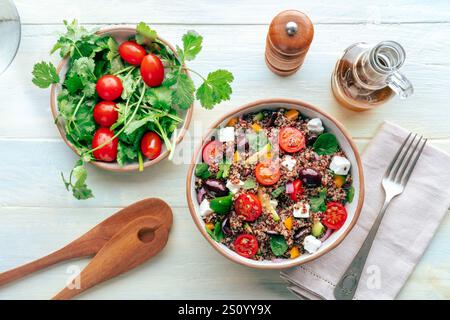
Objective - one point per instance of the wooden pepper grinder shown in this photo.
(288, 40)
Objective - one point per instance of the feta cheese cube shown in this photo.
(311, 244)
(301, 210)
(273, 203)
(315, 126)
(234, 188)
(226, 134)
(289, 162)
(340, 165)
(205, 209)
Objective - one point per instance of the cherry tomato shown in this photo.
(212, 152)
(335, 215)
(298, 190)
(108, 152)
(267, 173)
(291, 139)
(105, 113)
(131, 52)
(152, 70)
(151, 145)
(109, 87)
(248, 206)
(246, 245)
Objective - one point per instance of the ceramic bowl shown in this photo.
(347, 146)
(120, 33)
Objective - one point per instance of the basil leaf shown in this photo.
(221, 205)
(224, 170)
(278, 245)
(202, 170)
(318, 203)
(325, 144)
(216, 233)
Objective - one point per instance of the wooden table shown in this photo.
(37, 215)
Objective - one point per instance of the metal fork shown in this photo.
(394, 182)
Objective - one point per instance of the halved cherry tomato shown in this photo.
(131, 52)
(151, 145)
(105, 113)
(267, 172)
(213, 152)
(152, 70)
(298, 190)
(109, 87)
(291, 139)
(248, 206)
(108, 152)
(246, 245)
(335, 215)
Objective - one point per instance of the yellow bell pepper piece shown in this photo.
(339, 181)
(295, 252)
(256, 127)
(292, 114)
(232, 122)
(210, 226)
(236, 157)
(288, 223)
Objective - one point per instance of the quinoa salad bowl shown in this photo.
(275, 183)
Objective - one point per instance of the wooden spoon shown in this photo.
(92, 241)
(140, 240)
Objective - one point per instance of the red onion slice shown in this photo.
(326, 235)
(289, 187)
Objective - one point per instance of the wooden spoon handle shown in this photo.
(68, 252)
(137, 242)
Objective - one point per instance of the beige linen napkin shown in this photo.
(404, 234)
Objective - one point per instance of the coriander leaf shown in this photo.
(113, 49)
(136, 124)
(84, 68)
(73, 83)
(224, 170)
(80, 174)
(192, 44)
(67, 42)
(144, 34)
(183, 93)
(160, 98)
(215, 89)
(326, 144)
(129, 85)
(79, 188)
(44, 74)
(82, 193)
(249, 184)
(278, 245)
(126, 153)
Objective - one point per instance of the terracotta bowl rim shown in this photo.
(253, 263)
(114, 166)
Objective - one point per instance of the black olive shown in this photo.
(217, 187)
(311, 177)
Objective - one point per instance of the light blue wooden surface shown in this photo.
(38, 216)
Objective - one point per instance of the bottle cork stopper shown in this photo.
(290, 35)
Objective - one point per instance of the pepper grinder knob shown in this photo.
(288, 40)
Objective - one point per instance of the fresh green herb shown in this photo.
(250, 183)
(221, 205)
(325, 144)
(278, 245)
(202, 170)
(278, 191)
(224, 170)
(140, 108)
(350, 194)
(215, 88)
(77, 182)
(216, 233)
(44, 74)
(258, 117)
(318, 204)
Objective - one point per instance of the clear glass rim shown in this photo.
(16, 18)
(387, 64)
